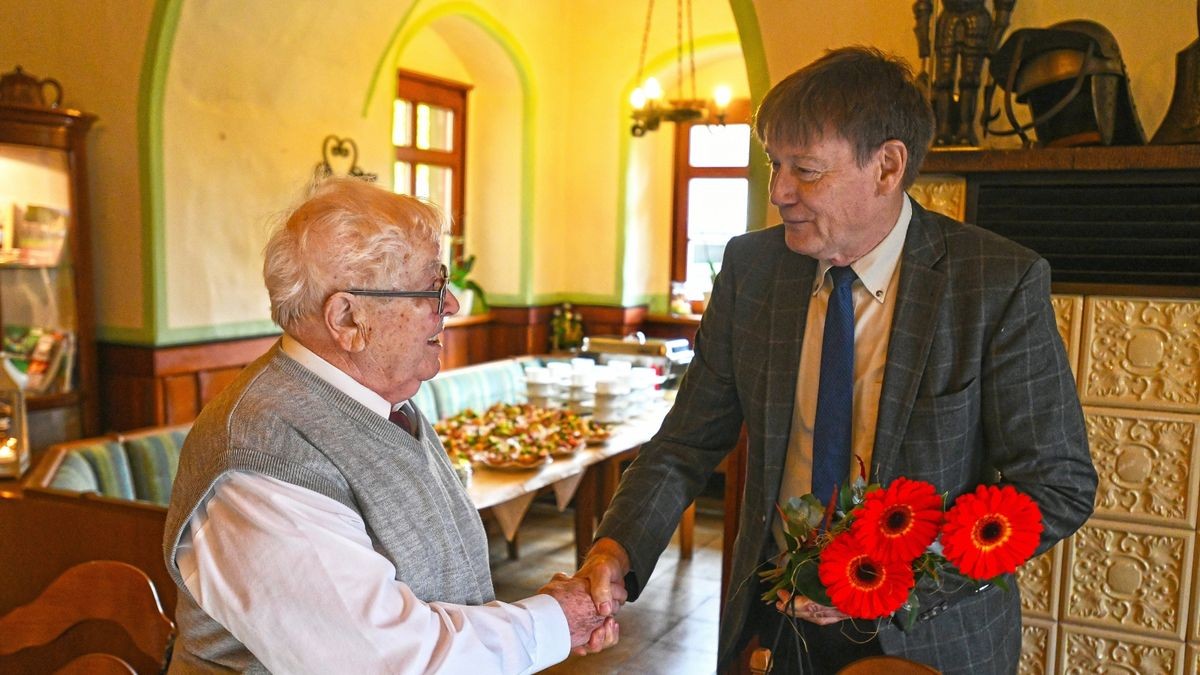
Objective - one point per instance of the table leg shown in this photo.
(586, 512)
(687, 527)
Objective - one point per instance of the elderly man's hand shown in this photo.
(803, 608)
(590, 632)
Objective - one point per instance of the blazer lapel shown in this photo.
(790, 292)
(912, 334)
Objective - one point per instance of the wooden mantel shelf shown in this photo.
(1113, 158)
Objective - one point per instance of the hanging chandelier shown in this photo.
(649, 108)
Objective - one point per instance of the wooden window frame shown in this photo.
(738, 112)
(421, 88)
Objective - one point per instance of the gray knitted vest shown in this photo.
(281, 420)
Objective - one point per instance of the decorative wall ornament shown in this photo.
(1090, 652)
(1068, 315)
(344, 153)
(941, 193)
(1037, 640)
(1147, 465)
(1142, 352)
(1040, 585)
(1124, 576)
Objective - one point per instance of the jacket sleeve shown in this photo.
(1033, 426)
(701, 428)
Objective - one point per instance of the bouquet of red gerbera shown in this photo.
(865, 553)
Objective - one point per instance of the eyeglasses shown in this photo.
(439, 291)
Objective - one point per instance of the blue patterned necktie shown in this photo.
(835, 393)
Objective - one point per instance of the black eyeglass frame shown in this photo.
(439, 293)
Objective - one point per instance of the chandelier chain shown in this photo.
(691, 49)
(645, 42)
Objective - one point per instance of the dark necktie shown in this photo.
(835, 393)
(400, 419)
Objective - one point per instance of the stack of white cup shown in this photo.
(641, 386)
(610, 403)
(540, 387)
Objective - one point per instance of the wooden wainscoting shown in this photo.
(153, 386)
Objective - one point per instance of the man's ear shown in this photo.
(893, 160)
(343, 322)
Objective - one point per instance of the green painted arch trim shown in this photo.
(151, 91)
(523, 66)
(759, 79)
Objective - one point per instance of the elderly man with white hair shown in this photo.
(316, 524)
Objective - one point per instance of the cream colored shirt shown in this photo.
(874, 304)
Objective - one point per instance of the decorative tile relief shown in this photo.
(1037, 647)
(1192, 659)
(1068, 314)
(1126, 576)
(945, 194)
(1086, 651)
(1147, 463)
(1040, 582)
(1142, 352)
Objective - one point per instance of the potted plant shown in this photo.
(464, 288)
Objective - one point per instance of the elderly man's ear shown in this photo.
(344, 322)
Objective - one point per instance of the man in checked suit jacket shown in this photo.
(960, 375)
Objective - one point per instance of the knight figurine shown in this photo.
(965, 34)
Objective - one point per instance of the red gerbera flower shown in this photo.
(991, 531)
(899, 522)
(860, 585)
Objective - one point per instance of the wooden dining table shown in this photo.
(590, 476)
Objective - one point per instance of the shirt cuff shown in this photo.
(552, 635)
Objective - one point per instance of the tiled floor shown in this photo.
(672, 628)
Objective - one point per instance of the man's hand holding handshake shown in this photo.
(590, 631)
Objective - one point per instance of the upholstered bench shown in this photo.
(137, 465)
(141, 465)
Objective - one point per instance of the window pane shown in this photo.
(435, 127)
(717, 207)
(716, 212)
(704, 261)
(401, 177)
(401, 123)
(716, 145)
(435, 184)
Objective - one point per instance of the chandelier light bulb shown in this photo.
(653, 89)
(722, 95)
(638, 99)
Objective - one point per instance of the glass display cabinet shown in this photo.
(46, 312)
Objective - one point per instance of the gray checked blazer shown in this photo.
(977, 388)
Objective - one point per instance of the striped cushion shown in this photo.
(425, 402)
(153, 460)
(110, 466)
(478, 387)
(75, 474)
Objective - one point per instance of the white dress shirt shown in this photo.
(259, 553)
(874, 304)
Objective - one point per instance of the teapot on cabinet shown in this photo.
(21, 88)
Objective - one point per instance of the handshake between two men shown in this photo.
(591, 598)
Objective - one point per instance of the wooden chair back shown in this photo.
(104, 590)
(887, 665)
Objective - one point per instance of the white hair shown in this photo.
(349, 226)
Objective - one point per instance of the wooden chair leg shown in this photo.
(513, 552)
(687, 527)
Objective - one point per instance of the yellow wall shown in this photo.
(236, 98)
